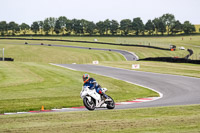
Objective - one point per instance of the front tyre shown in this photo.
(110, 104)
(90, 105)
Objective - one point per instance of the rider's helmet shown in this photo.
(85, 77)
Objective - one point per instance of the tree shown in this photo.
(41, 26)
(188, 27)
(57, 27)
(90, 27)
(46, 26)
(14, 27)
(24, 28)
(114, 27)
(137, 25)
(125, 26)
(77, 26)
(68, 26)
(169, 21)
(84, 24)
(62, 20)
(35, 27)
(177, 27)
(162, 26)
(107, 25)
(52, 23)
(156, 24)
(149, 27)
(3, 27)
(159, 25)
(100, 27)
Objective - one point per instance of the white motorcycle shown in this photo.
(92, 100)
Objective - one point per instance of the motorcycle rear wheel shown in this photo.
(90, 105)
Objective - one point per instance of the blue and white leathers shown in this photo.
(92, 83)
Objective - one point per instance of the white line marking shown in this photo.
(56, 109)
(23, 112)
(160, 94)
(10, 113)
(63, 66)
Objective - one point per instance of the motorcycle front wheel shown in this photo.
(110, 104)
(90, 105)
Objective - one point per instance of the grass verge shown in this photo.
(184, 69)
(160, 119)
(27, 86)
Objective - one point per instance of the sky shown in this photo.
(28, 11)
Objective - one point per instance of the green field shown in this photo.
(29, 86)
(179, 119)
(30, 82)
(140, 51)
(48, 54)
(189, 42)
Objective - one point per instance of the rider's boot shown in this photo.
(104, 96)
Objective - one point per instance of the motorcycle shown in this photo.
(92, 99)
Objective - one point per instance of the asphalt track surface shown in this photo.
(129, 56)
(173, 89)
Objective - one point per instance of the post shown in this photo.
(3, 54)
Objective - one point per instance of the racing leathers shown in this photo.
(92, 83)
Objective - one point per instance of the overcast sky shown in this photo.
(94, 10)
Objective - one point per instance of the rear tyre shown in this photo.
(90, 105)
(110, 104)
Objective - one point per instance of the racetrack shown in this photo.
(176, 90)
(127, 55)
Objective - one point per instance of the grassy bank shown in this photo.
(28, 86)
(191, 70)
(161, 120)
(48, 54)
(140, 51)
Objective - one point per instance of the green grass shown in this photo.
(140, 51)
(50, 54)
(160, 120)
(154, 41)
(191, 70)
(30, 82)
(27, 86)
(189, 42)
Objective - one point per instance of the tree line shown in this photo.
(63, 26)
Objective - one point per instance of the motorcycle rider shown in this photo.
(92, 83)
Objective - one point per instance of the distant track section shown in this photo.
(129, 56)
(135, 45)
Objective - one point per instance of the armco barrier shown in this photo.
(6, 59)
(171, 59)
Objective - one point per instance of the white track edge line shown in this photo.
(151, 72)
(160, 94)
(62, 66)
